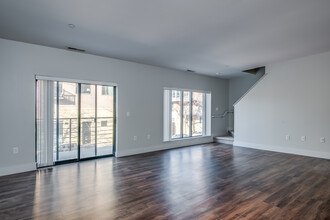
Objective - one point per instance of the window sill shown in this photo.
(187, 138)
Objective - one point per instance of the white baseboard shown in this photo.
(303, 152)
(17, 169)
(164, 146)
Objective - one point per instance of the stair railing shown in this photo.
(223, 114)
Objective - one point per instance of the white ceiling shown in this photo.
(207, 36)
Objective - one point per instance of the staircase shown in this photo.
(226, 139)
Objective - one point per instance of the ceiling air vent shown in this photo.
(192, 71)
(76, 49)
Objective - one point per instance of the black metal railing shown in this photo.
(93, 131)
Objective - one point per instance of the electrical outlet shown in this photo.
(15, 150)
(287, 137)
(303, 138)
(148, 136)
(322, 140)
(135, 138)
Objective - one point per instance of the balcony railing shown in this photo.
(101, 134)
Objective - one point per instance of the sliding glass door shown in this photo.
(87, 121)
(105, 123)
(74, 121)
(66, 122)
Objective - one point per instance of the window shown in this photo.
(176, 114)
(107, 90)
(186, 114)
(85, 89)
(104, 123)
(67, 93)
(197, 113)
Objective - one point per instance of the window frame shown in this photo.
(206, 122)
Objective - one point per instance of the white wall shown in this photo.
(140, 91)
(238, 86)
(292, 99)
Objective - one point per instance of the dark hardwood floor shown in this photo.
(211, 181)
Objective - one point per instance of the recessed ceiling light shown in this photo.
(72, 26)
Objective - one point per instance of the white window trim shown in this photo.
(39, 77)
(167, 117)
(186, 89)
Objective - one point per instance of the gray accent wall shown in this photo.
(140, 92)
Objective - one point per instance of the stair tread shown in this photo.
(229, 138)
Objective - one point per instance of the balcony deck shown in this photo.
(85, 152)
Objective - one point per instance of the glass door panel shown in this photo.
(67, 122)
(105, 120)
(87, 121)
